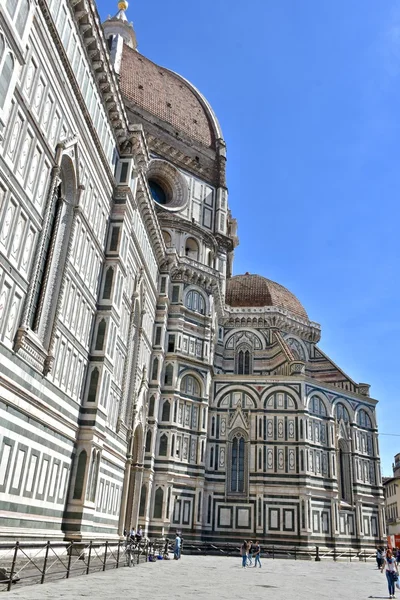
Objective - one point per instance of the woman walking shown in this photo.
(243, 552)
(391, 571)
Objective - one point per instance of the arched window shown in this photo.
(143, 495)
(238, 464)
(101, 332)
(190, 385)
(244, 362)
(108, 283)
(195, 301)
(167, 238)
(158, 503)
(154, 371)
(317, 407)
(80, 475)
(172, 446)
(22, 17)
(341, 412)
(162, 451)
(363, 419)
(166, 411)
(94, 381)
(148, 441)
(169, 372)
(344, 474)
(192, 249)
(151, 406)
(7, 68)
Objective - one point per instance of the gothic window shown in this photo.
(244, 362)
(344, 472)
(148, 441)
(94, 381)
(172, 446)
(213, 427)
(158, 503)
(192, 249)
(142, 505)
(166, 411)
(114, 239)
(101, 331)
(341, 412)
(195, 301)
(169, 371)
(171, 343)
(363, 419)
(108, 283)
(162, 451)
(154, 371)
(80, 475)
(175, 293)
(238, 450)
(151, 406)
(6, 71)
(190, 386)
(317, 407)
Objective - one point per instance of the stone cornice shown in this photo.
(275, 318)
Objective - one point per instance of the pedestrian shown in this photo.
(257, 553)
(139, 534)
(244, 548)
(392, 572)
(132, 534)
(250, 553)
(398, 556)
(379, 557)
(177, 550)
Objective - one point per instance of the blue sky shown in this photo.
(308, 97)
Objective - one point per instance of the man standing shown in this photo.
(177, 550)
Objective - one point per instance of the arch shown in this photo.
(317, 406)
(195, 301)
(258, 341)
(166, 411)
(281, 398)
(363, 418)
(93, 385)
(297, 347)
(148, 441)
(344, 472)
(238, 470)
(158, 503)
(162, 449)
(151, 406)
(169, 374)
(101, 332)
(80, 475)
(192, 248)
(341, 411)
(167, 238)
(108, 283)
(154, 370)
(191, 386)
(244, 360)
(229, 397)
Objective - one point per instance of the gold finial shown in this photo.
(123, 5)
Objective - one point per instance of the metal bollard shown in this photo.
(14, 560)
(317, 556)
(69, 559)
(119, 545)
(105, 556)
(46, 554)
(89, 556)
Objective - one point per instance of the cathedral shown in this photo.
(141, 381)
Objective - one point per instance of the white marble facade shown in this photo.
(124, 399)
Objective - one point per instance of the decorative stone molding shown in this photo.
(363, 389)
(297, 367)
(171, 180)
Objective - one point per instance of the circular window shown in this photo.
(168, 187)
(157, 192)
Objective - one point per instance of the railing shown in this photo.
(273, 552)
(29, 563)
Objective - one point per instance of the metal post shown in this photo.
(46, 554)
(90, 554)
(350, 554)
(119, 545)
(334, 553)
(14, 560)
(295, 553)
(105, 556)
(365, 556)
(138, 553)
(317, 557)
(273, 552)
(69, 559)
(147, 551)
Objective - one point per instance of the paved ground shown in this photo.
(209, 578)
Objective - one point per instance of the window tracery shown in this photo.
(195, 301)
(341, 412)
(363, 419)
(190, 386)
(238, 458)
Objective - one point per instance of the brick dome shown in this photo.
(254, 291)
(169, 97)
